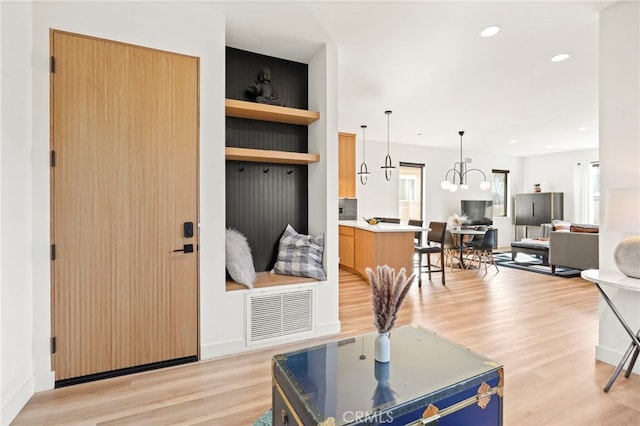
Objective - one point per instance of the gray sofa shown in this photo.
(577, 250)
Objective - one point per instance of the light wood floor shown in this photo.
(543, 329)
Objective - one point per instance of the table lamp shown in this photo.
(622, 213)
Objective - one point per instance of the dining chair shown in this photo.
(434, 245)
(475, 240)
(482, 251)
(451, 250)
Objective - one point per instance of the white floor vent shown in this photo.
(273, 315)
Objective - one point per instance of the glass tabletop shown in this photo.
(342, 377)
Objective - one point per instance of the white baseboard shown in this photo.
(238, 346)
(613, 357)
(328, 329)
(16, 402)
(220, 349)
(44, 382)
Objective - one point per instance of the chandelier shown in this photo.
(460, 171)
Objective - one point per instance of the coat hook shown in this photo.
(289, 172)
(265, 171)
(241, 169)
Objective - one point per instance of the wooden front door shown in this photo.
(124, 180)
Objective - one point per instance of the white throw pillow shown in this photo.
(239, 261)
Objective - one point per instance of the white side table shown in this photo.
(617, 280)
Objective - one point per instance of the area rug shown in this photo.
(530, 263)
(264, 420)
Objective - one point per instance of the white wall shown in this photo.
(16, 289)
(381, 198)
(323, 179)
(190, 28)
(194, 29)
(619, 154)
(555, 173)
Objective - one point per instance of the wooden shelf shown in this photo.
(264, 112)
(270, 156)
(267, 279)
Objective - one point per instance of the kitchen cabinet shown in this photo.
(346, 165)
(346, 236)
(365, 246)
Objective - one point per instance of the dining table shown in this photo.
(461, 233)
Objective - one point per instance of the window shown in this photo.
(408, 186)
(594, 193)
(500, 192)
(586, 188)
(410, 178)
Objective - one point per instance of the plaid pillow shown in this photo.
(300, 255)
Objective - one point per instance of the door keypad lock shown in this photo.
(188, 229)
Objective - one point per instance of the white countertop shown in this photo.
(381, 227)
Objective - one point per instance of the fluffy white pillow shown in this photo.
(238, 258)
(300, 255)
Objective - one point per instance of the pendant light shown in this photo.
(364, 170)
(388, 167)
(460, 169)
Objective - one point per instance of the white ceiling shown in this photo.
(426, 62)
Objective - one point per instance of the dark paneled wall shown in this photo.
(256, 134)
(262, 198)
(290, 79)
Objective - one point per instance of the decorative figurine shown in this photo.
(536, 188)
(262, 90)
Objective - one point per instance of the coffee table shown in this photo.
(533, 247)
(429, 380)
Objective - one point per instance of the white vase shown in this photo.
(382, 352)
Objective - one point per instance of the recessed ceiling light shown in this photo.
(513, 141)
(560, 57)
(583, 128)
(490, 31)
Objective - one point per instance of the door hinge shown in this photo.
(53, 158)
(53, 345)
(53, 65)
(53, 252)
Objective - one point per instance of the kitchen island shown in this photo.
(367, 246)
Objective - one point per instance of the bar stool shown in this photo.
(435, 245)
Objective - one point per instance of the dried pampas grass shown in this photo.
(389, 291)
